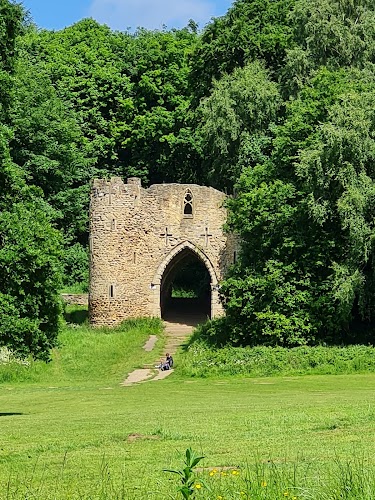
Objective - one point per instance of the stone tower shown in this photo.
(139, 238)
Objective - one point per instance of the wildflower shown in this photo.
(223, 473)
(263, 484)
(286, 494)
(212, 473)
(235, 472)
(220, 497)
(198, 486)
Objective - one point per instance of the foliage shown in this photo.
(76, 267)
(11, 15)
(272, 101)
(30, 255)
(188, 486)
(87, 355)
(29, 246)
(127, 92)
(235, 123)
(305, 220)
(250, 30)
(49, 146)
(204, 359)
(158, 144)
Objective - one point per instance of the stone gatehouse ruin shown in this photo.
(141, 238)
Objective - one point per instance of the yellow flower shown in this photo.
(198, 486)
(235, 472)
(263, 483)
(286, 494)
(219, 497)
(223, 473)
(212, 473)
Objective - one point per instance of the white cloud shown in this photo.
(151, 14)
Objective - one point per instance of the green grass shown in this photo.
(79, 288)
(86, 355)
(69, 430)
(200, 360)
(75, 314)
(65, 438)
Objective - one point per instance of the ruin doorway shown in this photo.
(185, 289)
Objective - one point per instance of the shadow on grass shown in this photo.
(10, 414)
(77, 315)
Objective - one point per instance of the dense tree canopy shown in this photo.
(273, 101)
(29, 246)
(306, 218)
(304, 212)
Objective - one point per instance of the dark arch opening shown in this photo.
(185, 289)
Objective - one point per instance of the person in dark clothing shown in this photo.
(169, 360)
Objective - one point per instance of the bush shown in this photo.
(76, 268)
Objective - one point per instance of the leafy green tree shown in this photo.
(235, 123)
(29, 247)
(331, 33)
(49, 146)
(159, 144)
(129, 94)
(30, 256)
(306, 220)
(84, 64)
(250, 30)
(10, 27)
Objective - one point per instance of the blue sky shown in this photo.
(121, 14)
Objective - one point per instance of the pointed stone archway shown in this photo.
(167, 269)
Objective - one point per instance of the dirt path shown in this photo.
(177, 330)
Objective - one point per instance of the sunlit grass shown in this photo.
(70, 431)
(90, 355)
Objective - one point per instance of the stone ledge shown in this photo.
(79, 299)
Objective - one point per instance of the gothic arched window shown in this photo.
(188, 204)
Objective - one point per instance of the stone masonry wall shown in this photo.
(135, 233)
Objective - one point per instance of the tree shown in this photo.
(250, 30)
(129, 94)
(159, 143)
(30, 269)
(331, 33)
(29, 246)
(235, 123)
(49, 146)
(306, 220)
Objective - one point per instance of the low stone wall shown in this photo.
(78, 299)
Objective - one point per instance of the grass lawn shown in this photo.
(66, 435)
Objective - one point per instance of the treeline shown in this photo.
(273, 101)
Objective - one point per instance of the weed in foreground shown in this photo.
(348, 480)
(189, 483)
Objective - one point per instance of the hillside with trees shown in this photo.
(273, 102)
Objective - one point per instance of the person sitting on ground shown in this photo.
(161, 364)
(169, 360)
